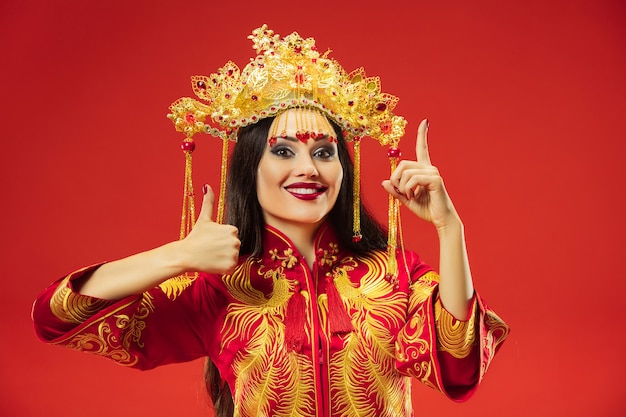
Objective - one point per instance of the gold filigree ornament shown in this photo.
(288, 73)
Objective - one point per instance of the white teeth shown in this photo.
(303, 190)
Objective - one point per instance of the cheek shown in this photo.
(338, 175)
(268, 178)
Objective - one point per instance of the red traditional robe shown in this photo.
(267, 328)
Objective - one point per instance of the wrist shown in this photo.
(452, 225)
(177, 258)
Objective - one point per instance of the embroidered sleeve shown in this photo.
(173, 322)
(446, 354)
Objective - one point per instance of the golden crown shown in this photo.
(288, 73)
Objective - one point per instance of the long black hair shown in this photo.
(244, 211)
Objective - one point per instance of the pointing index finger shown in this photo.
(421, 147)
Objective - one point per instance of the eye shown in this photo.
(324, 152)
(282, 151)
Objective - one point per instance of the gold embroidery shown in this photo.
(410, 345)
(454, 336)
(366, 364)
(270, 379)
(288, 260)
(71, 307)
(107, 343)
(174, 287)
(422, 288)
(328, 256)
(498, 331)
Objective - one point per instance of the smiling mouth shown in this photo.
(306, 191)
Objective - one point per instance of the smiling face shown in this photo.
(299, 179)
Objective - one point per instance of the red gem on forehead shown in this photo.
(272, 141)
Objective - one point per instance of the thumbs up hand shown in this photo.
(210, 247)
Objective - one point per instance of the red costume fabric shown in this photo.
(274, 329)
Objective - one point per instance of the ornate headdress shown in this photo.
(288, 73)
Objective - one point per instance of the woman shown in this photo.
(296, 316)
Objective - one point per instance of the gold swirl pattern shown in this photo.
(454, 336)
(72, 307)
(497, 332)
(411, 343)
(106, 342)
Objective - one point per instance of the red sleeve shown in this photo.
(426, 350)
(170, 323)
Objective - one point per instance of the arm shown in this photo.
(210, 247)
(418, 185)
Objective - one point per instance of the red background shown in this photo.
(526, 102)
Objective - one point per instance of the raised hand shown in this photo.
(418, 185)
(210, 247)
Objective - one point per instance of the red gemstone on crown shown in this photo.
(350, 103)
(190, 118)
(381, 106)
(188, 146)
(394, 152)
(255, 98)
(201, 85)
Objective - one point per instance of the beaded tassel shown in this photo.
(356, 191)
(222, 198)
(393, 214)
(188, 217)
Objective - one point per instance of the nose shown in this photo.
(306, 167)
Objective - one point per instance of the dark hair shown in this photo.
(244, 211)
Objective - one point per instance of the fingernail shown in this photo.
(205, 189)
(427, 123)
